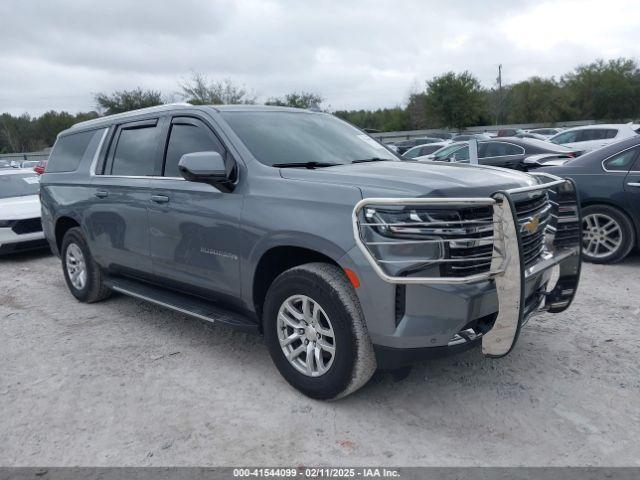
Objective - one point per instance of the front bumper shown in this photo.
(11, 242)
(504, 297)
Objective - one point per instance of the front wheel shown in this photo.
(607, 234)
(315, 332)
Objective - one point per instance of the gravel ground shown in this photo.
(123, 382)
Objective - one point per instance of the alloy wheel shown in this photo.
(306, 335)
(601, 235)
(76, 266)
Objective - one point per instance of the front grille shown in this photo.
(568, 228)
(533, 216)
(475, 257)
(29, 225)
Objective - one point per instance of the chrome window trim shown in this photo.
(616, 154)
(96, 155)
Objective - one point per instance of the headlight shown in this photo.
(5, 223)
(436, 240)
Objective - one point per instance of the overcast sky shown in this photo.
(356, 54)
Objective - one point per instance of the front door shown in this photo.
(193, 227)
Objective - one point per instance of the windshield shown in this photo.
(19, 185)
(295, 137)
(446, 151)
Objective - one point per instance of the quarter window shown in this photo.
(187, 136)
(70, 150)
(135, 151)
(622, 161)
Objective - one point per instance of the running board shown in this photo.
(193, 306)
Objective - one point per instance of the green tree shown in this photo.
(26, 134)
(297, 100)
(537, 100)
(605, 90)
(200, 90)
(454, 100)
(126, 100)
(383, 119)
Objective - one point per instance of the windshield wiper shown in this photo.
(309, 165)
(373, 159)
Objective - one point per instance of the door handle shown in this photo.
(634, 184)
(102, 194)
(159, 198)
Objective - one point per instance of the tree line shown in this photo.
(602, 90)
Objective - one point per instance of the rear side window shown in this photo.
(622, 161)
(188, 135)
(70, 150)
(135, 150)
(596, 134)
(500, 149)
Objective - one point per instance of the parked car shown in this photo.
(509, 132)
(468, 136)
(608, 181)
(592, 137)
(20, 226)
(40, 167)
(546, 132)
(422, 150)
(300, 226)
(404, 145)
(531, 135)
(441, 135)
(508, 152)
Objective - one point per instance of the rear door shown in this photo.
(194, 226)
(118, 215)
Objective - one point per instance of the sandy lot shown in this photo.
(126, 383)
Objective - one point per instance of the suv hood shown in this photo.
(416, 179)
(18, 208)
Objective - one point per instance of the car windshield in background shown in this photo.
(446, 151)
(19, 185)
(301, 137)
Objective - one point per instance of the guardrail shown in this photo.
(409, 134)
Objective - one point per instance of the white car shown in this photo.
(546, 132)
(20, 226)
(592, 137)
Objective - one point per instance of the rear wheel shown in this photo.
(82, 274)
(315, 332)
(607, 234)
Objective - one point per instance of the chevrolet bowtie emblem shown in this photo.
(532, 225)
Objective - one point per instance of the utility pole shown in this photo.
(499, 115)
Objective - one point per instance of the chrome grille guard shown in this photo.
(560, 250)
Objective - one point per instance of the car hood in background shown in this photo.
(17, 208)
(414, 179)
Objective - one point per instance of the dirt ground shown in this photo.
(123, 382)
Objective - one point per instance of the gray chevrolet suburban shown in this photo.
(299, 226)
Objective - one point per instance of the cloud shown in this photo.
(357, 54)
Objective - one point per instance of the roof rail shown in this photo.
(116, 116)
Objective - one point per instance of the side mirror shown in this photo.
(206, 167)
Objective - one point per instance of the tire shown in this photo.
(607, 234)
(338, 312)
(75, 249)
